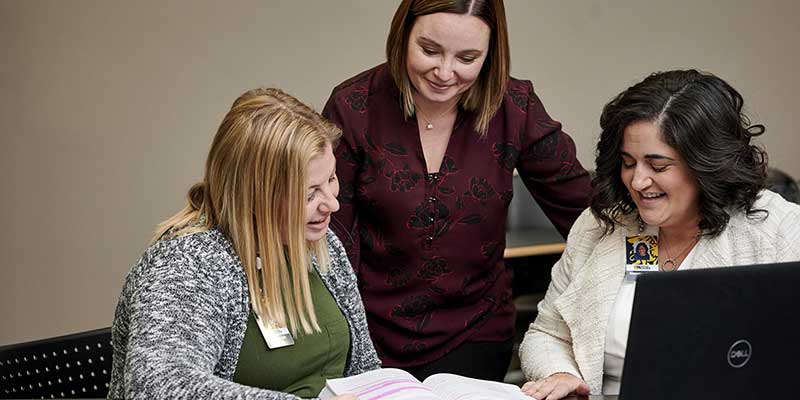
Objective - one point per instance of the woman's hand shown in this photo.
(344, 397)
(556, 386)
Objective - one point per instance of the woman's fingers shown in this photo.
(556, 386)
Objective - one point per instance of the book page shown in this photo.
(380, 384)
(456, 387)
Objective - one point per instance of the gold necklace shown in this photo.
(428, 123)
(672, 262)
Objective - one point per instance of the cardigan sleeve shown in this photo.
(547, 345)
(788, 229)
(177, 314)
(549, 167)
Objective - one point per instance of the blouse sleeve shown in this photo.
(549, 167)
(348, 163)
(178, 313)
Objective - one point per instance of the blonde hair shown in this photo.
(486, 95)
(254, 192)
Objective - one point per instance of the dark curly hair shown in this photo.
(700, 116)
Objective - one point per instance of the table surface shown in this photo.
(595, 397)
(533, 242)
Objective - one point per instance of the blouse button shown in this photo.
(429, 240)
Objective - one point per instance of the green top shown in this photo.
(300, 369)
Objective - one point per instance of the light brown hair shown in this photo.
(486, 94)
(254, 192)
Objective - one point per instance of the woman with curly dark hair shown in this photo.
(675, 164)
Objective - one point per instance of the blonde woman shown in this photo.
(245, 293)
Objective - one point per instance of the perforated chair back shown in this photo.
(72, 366)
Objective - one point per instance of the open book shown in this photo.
(396, 384)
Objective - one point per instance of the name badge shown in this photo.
(274, 336)
(641, 255)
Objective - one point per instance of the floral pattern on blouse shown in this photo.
(428, 246)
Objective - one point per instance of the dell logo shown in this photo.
(739, 353)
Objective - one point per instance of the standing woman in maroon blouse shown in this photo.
(430, 142)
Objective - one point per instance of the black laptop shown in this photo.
(719, 333)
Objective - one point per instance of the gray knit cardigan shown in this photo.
(182, 314)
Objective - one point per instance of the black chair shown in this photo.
(783, 184)
(72, 366)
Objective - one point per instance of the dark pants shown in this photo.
(482, 360)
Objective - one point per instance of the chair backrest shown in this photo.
(783, 184)
(72, 366)
(523, 211)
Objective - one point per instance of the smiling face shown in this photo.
(642, 250)
(658, 179)
(445, 55)
(323, 187)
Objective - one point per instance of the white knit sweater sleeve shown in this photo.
(547, 346)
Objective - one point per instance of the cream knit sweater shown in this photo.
(569, 333)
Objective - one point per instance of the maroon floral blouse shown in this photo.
(427, 246)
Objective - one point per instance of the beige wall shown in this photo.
(107, 108)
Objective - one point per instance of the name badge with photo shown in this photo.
(641, 254)
(274, 336)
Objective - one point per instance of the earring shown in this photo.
(641, 223)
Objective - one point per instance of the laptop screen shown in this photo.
(731, 333)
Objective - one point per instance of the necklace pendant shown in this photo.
(429, 126)
(668, 265)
